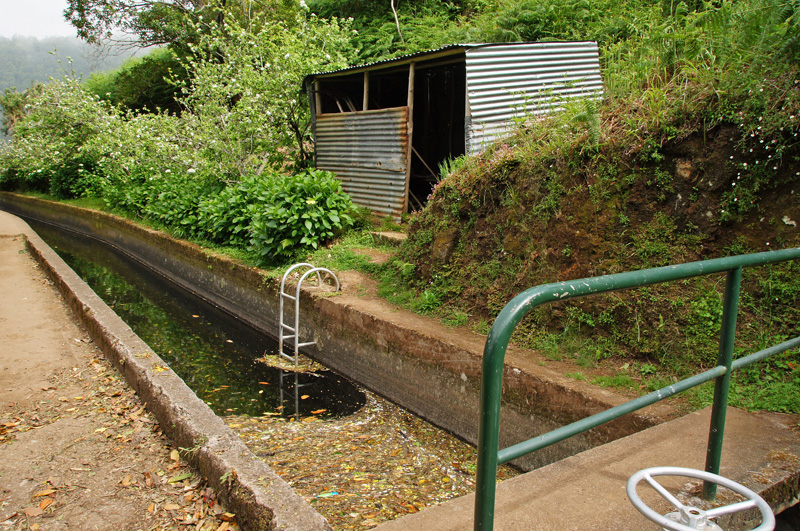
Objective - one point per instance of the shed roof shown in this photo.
(444, 51)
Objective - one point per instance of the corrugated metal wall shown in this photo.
(368, 152)
(508, 81)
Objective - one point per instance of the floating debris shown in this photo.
(376, 465)
(303, 364)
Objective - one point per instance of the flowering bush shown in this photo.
(51, 139)
(249, 111)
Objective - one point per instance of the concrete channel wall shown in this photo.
(414, 361)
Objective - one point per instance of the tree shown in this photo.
(160, 22)
(143, 84)
(246, 97)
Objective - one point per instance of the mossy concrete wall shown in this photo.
(412, 360)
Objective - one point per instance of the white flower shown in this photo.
(191, 170)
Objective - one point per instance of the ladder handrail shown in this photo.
(295, 335)
(296, 298)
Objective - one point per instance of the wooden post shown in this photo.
(365, 105)
(410, 130)
(317, 97)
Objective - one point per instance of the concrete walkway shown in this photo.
(586, 492)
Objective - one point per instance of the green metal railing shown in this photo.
(490, 456)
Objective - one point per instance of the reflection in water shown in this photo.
(213, 353)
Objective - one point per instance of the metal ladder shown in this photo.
(294, 331)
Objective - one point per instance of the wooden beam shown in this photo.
(365, 105)
(410, 131)
(317, 97)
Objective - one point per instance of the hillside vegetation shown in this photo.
(693, 153)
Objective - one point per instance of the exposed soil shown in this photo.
(77, 448)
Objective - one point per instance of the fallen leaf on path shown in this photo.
(46, 492)
(180, 477)
(46, 503)
(33, 511)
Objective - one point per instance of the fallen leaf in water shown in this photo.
(303, 397)
(318, 411)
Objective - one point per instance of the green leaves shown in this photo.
(299, 213)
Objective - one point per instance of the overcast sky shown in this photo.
(34, 18)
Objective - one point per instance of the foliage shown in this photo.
(143, 83)
(225, 217)
(420, 24)
(60, 120)
(13, 106)
(158, 22)
(246, 98)
(299, 213)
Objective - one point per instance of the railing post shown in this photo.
(719, 409)
(489, 428)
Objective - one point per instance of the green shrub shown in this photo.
(298, 213)
(225, 217)
(74, 178)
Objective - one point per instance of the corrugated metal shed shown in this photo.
(461, 97)
(368, 152)
(511, 81)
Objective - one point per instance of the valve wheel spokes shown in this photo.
(693, 518)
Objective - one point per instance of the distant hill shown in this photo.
(26, 60)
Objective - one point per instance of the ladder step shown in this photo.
(287, 327)
(290, 297)
(306, 344)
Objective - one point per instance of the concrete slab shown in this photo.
(586, 492)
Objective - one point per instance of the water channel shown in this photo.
(357, 458)
(211, 351)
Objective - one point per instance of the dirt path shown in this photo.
(77, 449)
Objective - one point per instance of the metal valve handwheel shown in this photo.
(689, 518)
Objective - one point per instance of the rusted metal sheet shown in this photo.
(368, 152)
(507, 81)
